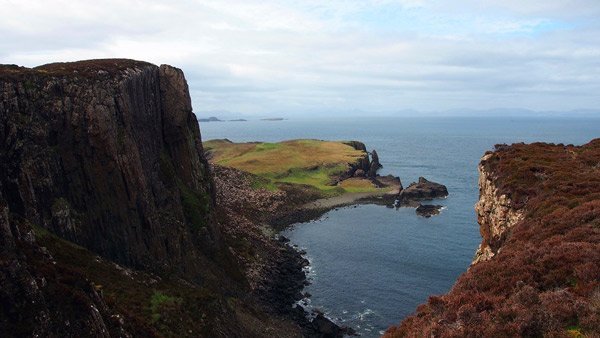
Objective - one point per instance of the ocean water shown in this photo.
(370, 265)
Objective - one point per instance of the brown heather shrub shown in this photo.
(546, 279)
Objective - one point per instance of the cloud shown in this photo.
(332, 56)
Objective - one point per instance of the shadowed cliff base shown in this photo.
(537, 272)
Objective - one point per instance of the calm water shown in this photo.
(370, 265)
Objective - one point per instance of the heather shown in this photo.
(545, 279)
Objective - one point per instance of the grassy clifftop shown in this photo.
(309, 162)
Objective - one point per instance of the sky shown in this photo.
(317, 57)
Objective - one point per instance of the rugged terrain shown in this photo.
(108, 217)
(537, 270)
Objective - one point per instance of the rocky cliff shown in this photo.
(496, 214)
(107, 154)
(537, 271)
(108, 222)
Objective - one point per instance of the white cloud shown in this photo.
(309, 56)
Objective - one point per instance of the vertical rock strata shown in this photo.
(107, 154)
(495, 215)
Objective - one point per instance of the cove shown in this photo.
(371, 265)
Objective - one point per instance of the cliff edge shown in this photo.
(537, 270)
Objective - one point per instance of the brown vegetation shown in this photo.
(94, 69)
(545, 280)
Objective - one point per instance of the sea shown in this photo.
(371, 266)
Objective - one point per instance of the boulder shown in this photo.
(428, 210)
(359, 173)
(422, 190)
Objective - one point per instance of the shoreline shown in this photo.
(295, 260)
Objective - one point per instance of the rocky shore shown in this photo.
(275, 269)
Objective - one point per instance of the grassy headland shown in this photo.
(312, 163)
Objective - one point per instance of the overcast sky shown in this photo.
(315, 57)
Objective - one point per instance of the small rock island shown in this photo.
(423, 190)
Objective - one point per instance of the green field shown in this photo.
(309, 162)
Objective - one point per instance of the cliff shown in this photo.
(496, 214)
(107, 154)
(537, 270)
(108, 222)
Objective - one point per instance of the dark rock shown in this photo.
(422, 190)
(357, 145)
(428, 210)
(326, 327)
(363, 167)
(388, 181)
(359, 173)
(374, 165)
(113, 163)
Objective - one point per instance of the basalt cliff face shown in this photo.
(108, 221)
(107, 154)
(537, 270)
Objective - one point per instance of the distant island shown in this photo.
(216, 119)
(273, 119)
(210, 119)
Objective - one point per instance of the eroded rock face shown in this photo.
(364, 166)
(495, 215)
(422, 190)
(374, 165)
(107, 154)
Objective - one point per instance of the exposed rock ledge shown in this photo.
(496, 215)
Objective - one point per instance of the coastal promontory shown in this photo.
(537, 270)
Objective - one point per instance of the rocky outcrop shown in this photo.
(107, 154)
(496, 215)
(364, 166)
(374, 165)
(428, 210)
(422, 190)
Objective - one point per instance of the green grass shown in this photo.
(160, 300)
(307, 162)
(195, 206)
(360, 185)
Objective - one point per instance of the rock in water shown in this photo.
(422, 190)
(428, 210)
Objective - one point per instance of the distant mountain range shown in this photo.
(224, 115)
